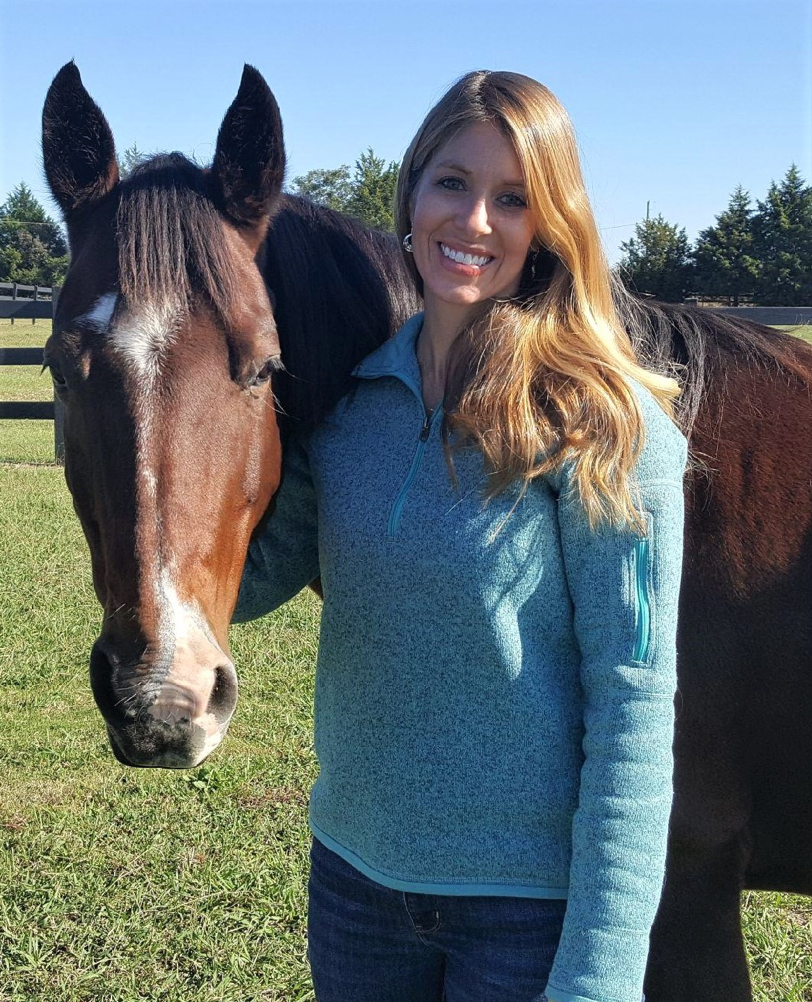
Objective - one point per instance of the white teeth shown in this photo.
(461, 258)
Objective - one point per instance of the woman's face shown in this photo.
(471, 227)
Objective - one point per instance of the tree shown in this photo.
(33, 250)
(724, 254)
(783, 243)
(332, 188)
(368, 194)
(657, 261)
(373, 191)
(130, 159)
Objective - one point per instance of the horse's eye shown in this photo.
(59, 380)
(264, 373)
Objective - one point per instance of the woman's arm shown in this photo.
(625, 593)
(284, 557)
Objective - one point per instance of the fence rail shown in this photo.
(39, 410)
(20, 306)
(775, 316)
(18, 287)
(21, 356)
(32, 410)
(53, 410)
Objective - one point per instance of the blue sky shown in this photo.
(675, 102)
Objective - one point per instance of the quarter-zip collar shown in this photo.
(396, 357)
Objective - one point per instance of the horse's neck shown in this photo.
(340, 290)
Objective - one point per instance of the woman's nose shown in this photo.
(475, 217)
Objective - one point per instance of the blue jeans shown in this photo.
(370, 943)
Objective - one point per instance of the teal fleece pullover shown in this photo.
(494, 686)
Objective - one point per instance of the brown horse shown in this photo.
(163, 348)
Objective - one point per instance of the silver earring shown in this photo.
(533, 258)
(407, 243)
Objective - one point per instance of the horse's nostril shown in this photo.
(223, 696)
(101, 681)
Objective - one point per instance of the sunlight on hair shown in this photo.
(545, 379)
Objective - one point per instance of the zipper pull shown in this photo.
(424, 431)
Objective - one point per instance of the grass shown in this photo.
(122, 885)
(803, 332)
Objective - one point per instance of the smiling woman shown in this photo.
(496, 515)
(494, 172)
(471, 226)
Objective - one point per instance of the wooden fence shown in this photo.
(40, 306)
(771, 316)
(24, 302)
(43, 305)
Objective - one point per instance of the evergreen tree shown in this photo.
(373, 191)
(783, 243)
(332, 188)
(656, 261)
(724, 254)
(130, 159)
(368, 194)
(33, 250)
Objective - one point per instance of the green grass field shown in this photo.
(121, 885)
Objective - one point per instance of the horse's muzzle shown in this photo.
(162, 717)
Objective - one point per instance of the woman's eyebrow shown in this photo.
(453, 166)
(450, 165)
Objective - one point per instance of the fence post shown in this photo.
(36, 297)
(13, 296)
(59, 407)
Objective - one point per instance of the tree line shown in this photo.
(33, 248)
(758, 253)
(761, 254)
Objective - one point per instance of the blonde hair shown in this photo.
(542, 379)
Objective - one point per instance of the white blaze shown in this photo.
(101, 313)
(140, 338)
(142, 335)
(196, 656)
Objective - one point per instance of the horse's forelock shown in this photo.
(170, 237)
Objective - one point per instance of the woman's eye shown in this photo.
(451, 183)
(513, 201)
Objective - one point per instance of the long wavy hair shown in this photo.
(544, 377)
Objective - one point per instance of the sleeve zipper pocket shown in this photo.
(640, 561)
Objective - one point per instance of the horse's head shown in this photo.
(163, 348)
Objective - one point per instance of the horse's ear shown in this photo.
(249, 162)
(77, 145)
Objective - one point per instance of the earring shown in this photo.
(407, 243)
(533, 257)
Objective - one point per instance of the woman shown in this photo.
(496, 515)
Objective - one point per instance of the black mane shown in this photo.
(340, 289)
(702, 344)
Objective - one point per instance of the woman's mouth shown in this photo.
(474, 261)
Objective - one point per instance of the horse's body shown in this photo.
(168, 532)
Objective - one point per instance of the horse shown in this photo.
(206, 313)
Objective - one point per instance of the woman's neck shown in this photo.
(442, 322)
